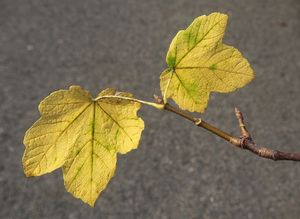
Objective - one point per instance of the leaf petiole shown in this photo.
(155, 105)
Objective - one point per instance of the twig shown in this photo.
(245, 141)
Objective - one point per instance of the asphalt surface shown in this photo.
(179, 170)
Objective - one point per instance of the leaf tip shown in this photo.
(91, 203)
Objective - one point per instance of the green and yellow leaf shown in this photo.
(199, 63)
(83, 136)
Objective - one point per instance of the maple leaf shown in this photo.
(83, 135)
(199, 63)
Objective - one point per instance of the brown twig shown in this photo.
(245, 141)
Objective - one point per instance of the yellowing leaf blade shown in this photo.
(96, 131)
(208, 66)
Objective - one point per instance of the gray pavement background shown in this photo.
(179, 171)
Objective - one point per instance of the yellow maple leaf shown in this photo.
(83, 135)
(199, 63)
